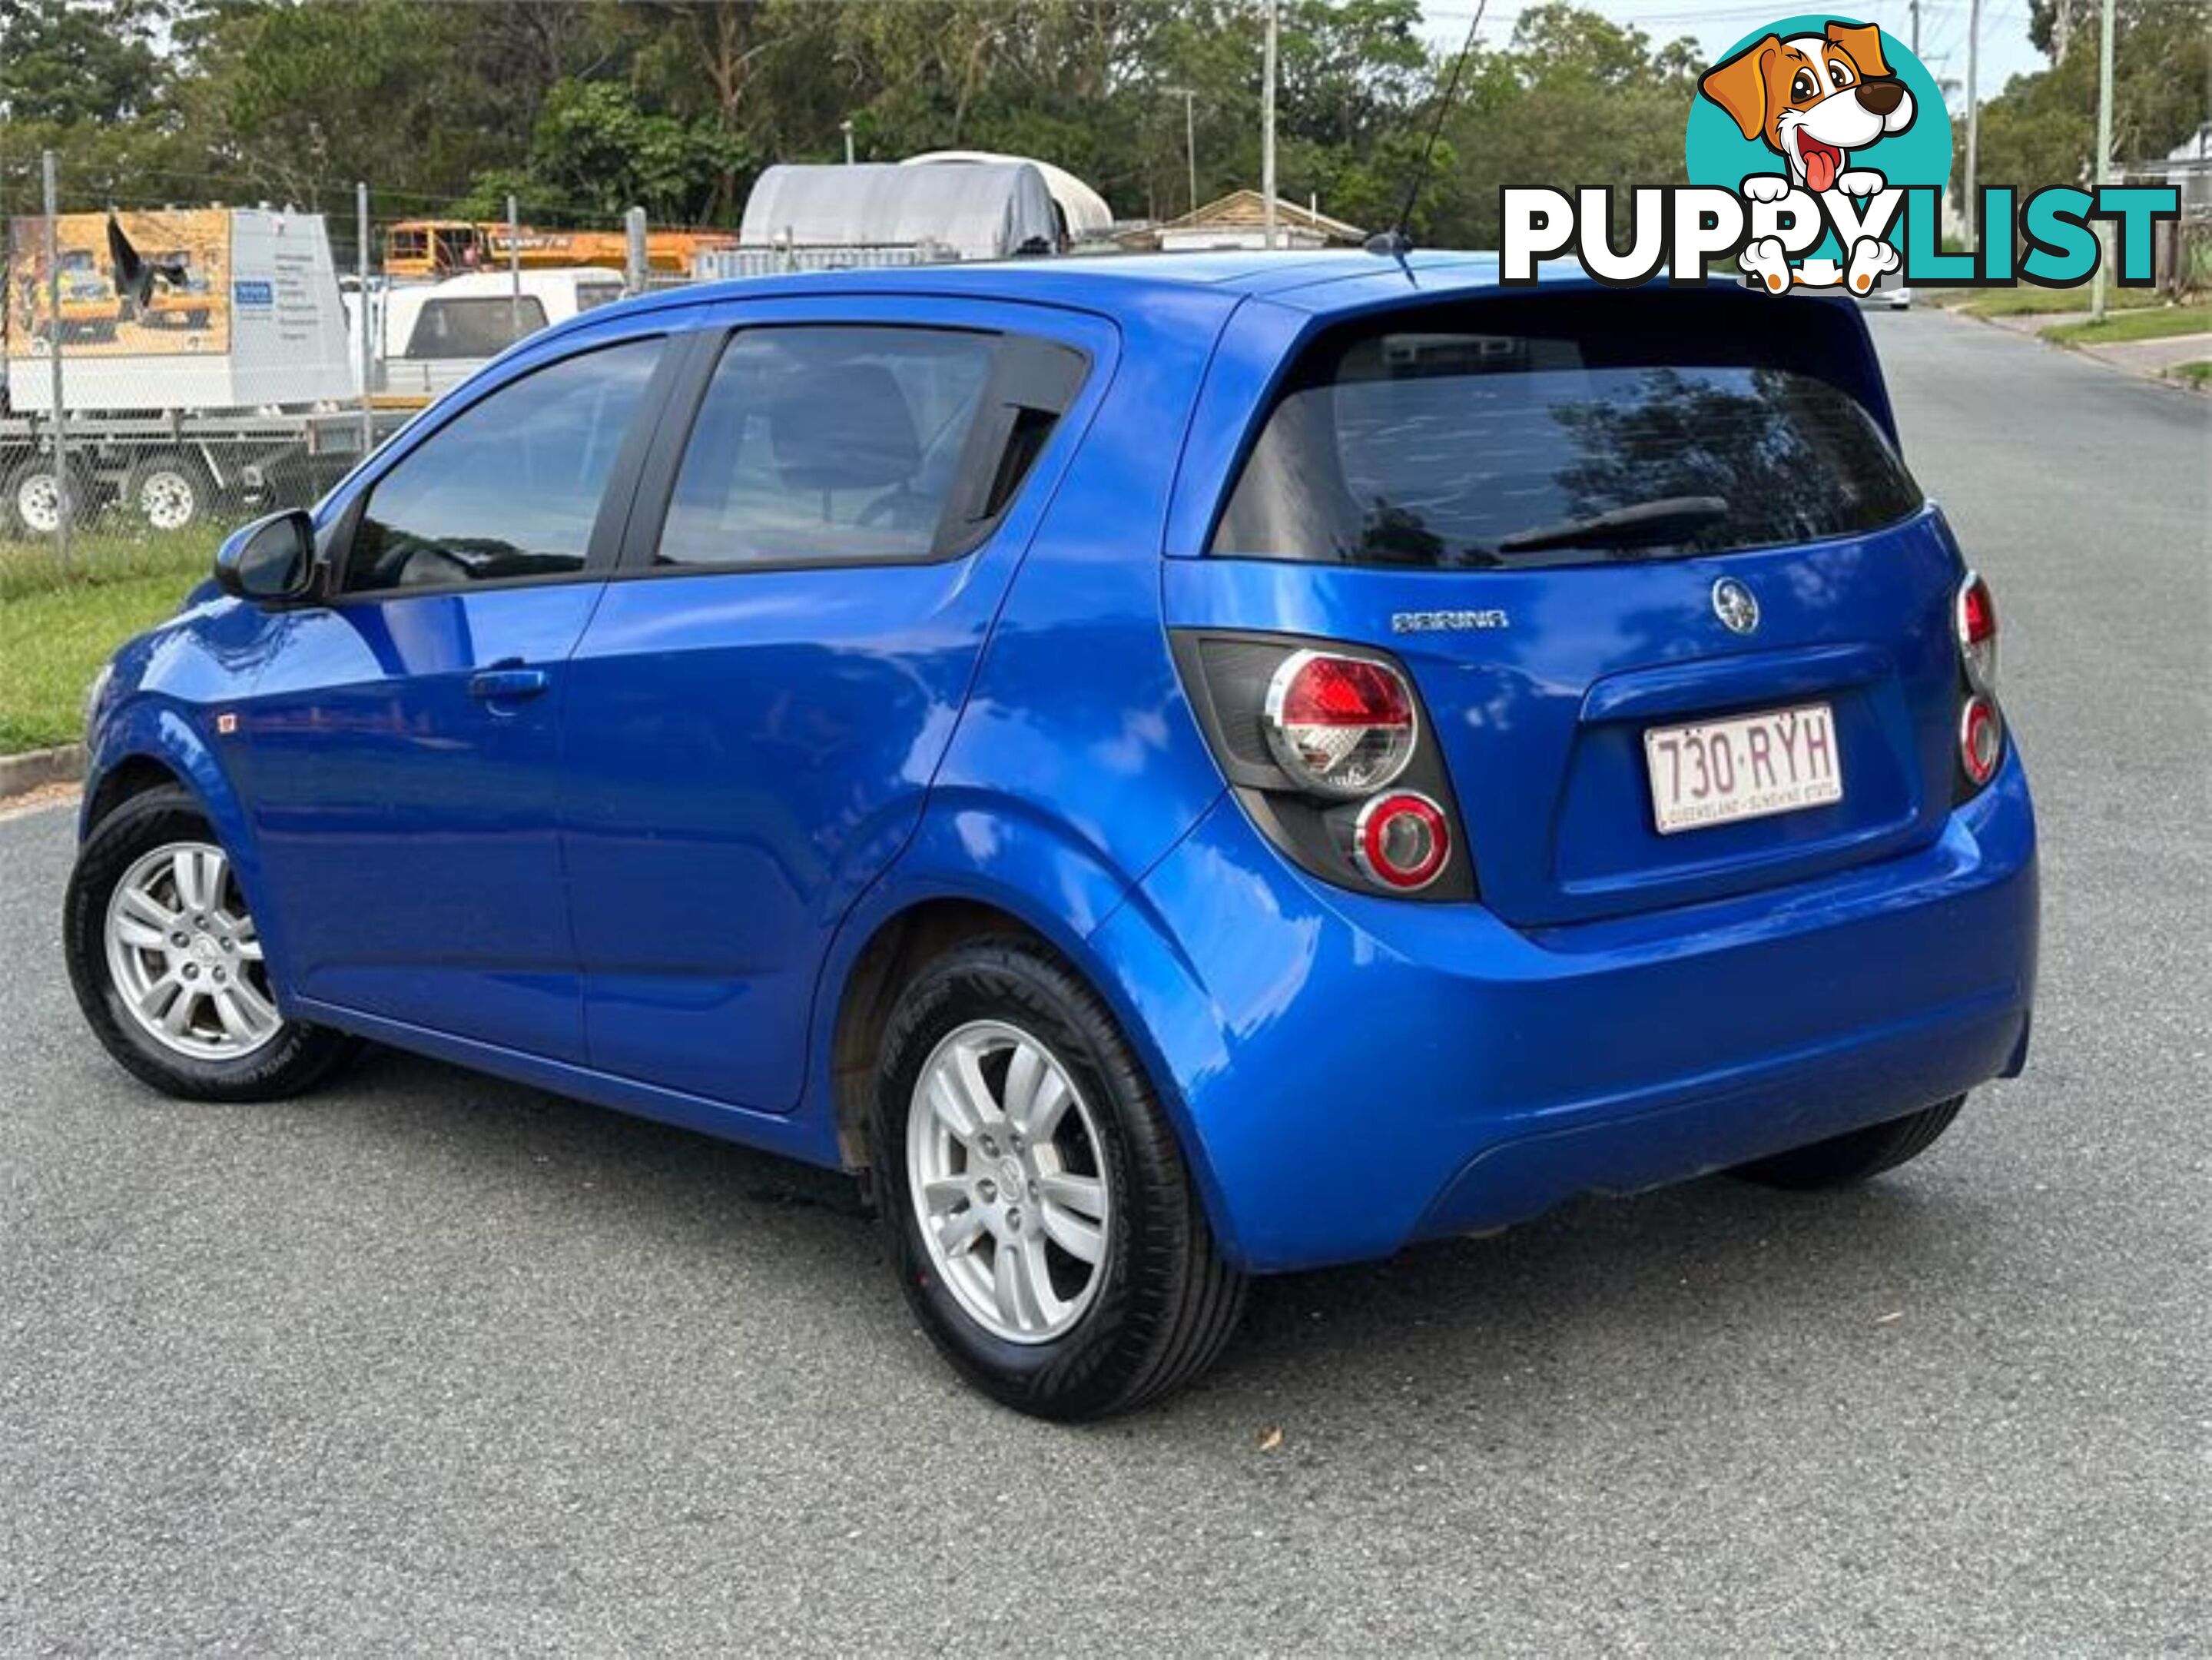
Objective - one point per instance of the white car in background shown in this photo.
(432, 336)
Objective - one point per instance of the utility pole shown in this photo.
(1973, 201)
(62, 492)
(513, 273)
(366, 314)
(1915, 26)
(1268, 129)
(1189, 136)
(634, 252)
(2104, 150)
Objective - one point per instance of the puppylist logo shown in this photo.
(1818, 151)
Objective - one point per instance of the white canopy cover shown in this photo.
(979, 210)
(1086, 209)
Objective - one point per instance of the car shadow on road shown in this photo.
(1683, 1278)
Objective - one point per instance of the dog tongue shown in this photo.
(1820, 167)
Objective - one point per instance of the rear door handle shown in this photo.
(506, 684)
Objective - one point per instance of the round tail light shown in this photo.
(1402, 842)
(1976, 616)
(1981, 740)
(1339, 726)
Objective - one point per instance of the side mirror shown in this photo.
(270, 562)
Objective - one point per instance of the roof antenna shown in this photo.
(1395, 242)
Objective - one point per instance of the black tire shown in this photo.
(171, 485)
(297, 1057)
(1167, 1302)
(1843, 1161)
(12, 519)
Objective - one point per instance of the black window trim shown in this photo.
(1012, 372)
(616, 500)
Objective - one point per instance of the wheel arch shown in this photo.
(151, 742)
(976, 868)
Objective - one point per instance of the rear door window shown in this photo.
(860, 444)
(1561, 431)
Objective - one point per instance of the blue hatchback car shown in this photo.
(1175, 770)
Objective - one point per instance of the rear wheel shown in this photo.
(1846, 1160)
(1045, 1228)
(170, 492)
(168, 966)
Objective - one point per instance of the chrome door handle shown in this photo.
(506, 684)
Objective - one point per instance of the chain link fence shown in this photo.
(167, 373)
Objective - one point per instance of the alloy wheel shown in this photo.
(185, 956)
(1005, 1169)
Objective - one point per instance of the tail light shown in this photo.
(1339, 726)
(1976, 616)
(1981, 740)
(1981, 723)
(1401, 841)
(1323, 744)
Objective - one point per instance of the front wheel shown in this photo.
(1846, 1160)
(168, 966)
(1044, 1225)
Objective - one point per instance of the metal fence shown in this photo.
(166, 373)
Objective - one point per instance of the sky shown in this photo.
(2006, 50)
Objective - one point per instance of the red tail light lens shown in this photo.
(1981, 740)
(1402, 842)
(1339, 726)
(1976, 616)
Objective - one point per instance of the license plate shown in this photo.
(1715, 772)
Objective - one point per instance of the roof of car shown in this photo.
(1112, 283)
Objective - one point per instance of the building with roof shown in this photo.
(1238, 220)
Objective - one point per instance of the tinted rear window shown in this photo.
(474, 328)
(1437, 441)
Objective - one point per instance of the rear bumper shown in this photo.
(1353, 1075)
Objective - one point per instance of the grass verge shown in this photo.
(57, 628)
(2028, 301)
(2147, 324)
(2197, 375)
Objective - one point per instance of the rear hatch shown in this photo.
(1583, 522)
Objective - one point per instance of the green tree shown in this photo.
(2042, 130)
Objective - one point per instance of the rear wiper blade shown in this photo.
(1622, 527)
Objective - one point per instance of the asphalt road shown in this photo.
(430, 1362)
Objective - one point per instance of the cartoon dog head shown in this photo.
(1813, 97)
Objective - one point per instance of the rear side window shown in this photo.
(860, 444)
(1551, 431)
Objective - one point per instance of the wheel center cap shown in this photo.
(1011, 1179)
(205, 950)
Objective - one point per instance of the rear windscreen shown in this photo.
(1543, 431)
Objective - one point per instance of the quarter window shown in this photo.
(510, 486)
(825, 445)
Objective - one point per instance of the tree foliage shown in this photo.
(2043, 129)
(582, 108)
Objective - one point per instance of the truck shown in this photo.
(426, 249)
(228, 384)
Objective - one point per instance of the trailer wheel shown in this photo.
(170, 491)
(31, 504)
